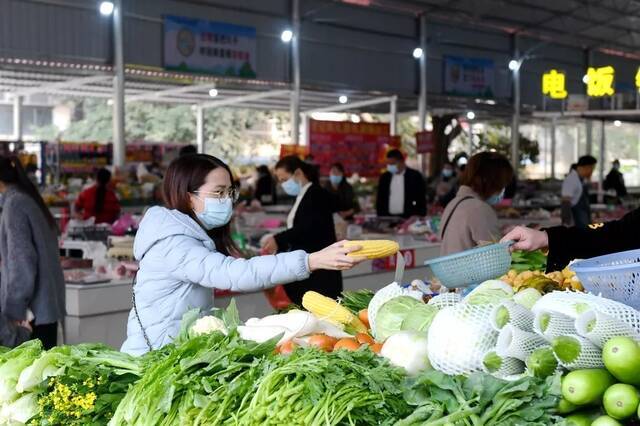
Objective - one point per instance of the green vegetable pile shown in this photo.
(223, 380)
(75, 385)
(528, 261)
(218, 378)
(357, 300)
(481, 399)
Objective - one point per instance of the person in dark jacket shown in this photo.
(309, 226)
(401, 190)
(31, 276)
(99, 201)
(444, 186)
(346, 204)
(615, 180)
(12, 334)
(265, 191)
(566, 244)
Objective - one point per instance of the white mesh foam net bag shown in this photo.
(563, 302)
(519, 316)
(553, 324)
(598, 328)
(590, 356)
(508, 366)
(515, 343)
(385, 294)
(573, 304)
(445, 299)
(459, 337)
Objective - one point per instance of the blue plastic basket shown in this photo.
(615, 276)
(472, 267)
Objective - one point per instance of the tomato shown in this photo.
(363, 315)
(364, 338)
(349, 344)
(323, 342)
(287, 347)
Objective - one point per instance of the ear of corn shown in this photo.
(328, 309)
(374, 249)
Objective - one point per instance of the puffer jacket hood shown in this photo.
(160, 223)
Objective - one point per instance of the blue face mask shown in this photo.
(496, 198)
(392, 168)
(447, 173)
(217, 212)
(335, 179)
(291, 187)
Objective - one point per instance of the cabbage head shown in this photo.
(420, 318)
(392, 315)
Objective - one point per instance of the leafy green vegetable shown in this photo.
(11, 365)
(481, 399)
(393, 313)
(357, 300)
(528, 261)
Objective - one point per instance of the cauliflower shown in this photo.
(208, 324)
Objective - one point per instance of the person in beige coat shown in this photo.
(470, 219)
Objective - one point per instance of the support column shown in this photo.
(422, 100)
(553, 148)
(200, 129)
(515, 124)
(601, 171)
(589, 135)
(119, 143)
(17, 118)
(305, 129)
(393, 113)
(295, 65)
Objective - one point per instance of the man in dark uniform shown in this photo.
(615, 180)
(567, 244)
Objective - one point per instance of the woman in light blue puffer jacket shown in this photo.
(185, 250)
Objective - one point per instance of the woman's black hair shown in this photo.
(291, 163)
(12, 173)
(103, 177)
(184, 176)
(262, 169)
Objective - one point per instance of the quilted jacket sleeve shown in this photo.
(188, 260)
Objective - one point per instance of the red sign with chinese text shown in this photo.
(389, 263)
(358, 146)
(425, 142)
(299, 150)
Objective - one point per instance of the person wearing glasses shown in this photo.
(185, 250)
(309, 226)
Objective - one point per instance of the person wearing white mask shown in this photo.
(402, 190)
(443, 187)
(346, 204)
(470, 218)
(309, 226)
(185, 250)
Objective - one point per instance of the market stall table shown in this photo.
(98, 312)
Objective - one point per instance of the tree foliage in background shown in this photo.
(230, 133)
(496, 138)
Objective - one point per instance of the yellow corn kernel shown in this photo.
(328, 309)
(374, 249)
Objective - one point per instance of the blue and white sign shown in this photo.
(469, 76)
(194, 45)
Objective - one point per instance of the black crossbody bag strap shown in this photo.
(446, 223)
(135, 309)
